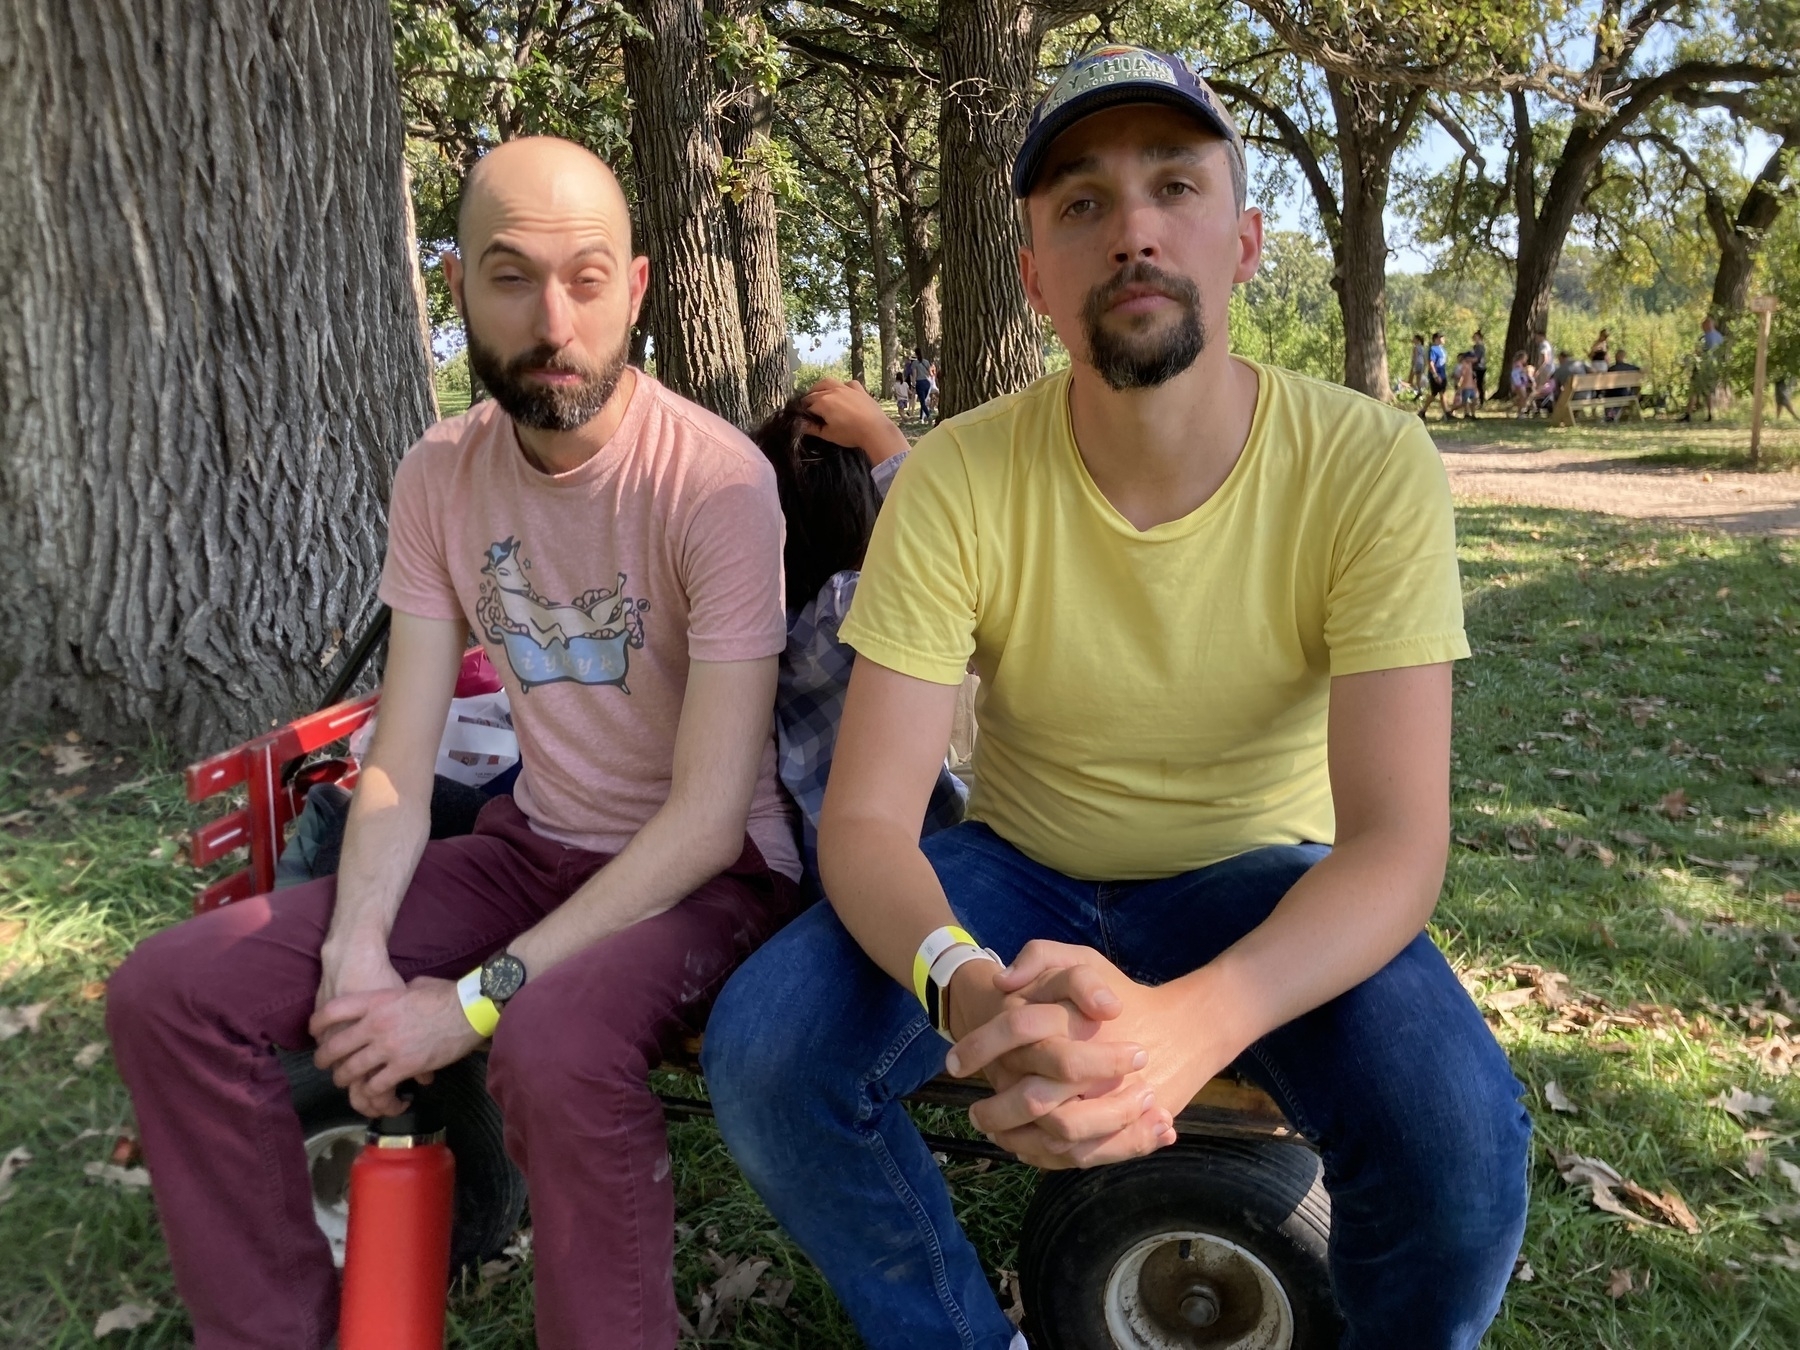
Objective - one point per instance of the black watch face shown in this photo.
(502, 976)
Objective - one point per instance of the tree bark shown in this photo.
(693, 302)
(750, 213)
(1371, 123)
(887, 281)
(853, 308)
(916, 254)
(1741, 236)
(990, 337)
(209, 356)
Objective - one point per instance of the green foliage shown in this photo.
(1288, 314)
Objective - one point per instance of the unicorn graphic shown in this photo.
(586, 640)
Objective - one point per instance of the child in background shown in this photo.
(834, 452)
(1519, 382)
(902, 393)
(1467, 395)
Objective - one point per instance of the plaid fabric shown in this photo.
(815, 673)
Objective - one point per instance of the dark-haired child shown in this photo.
(835, 452)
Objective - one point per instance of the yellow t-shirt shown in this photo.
(1155, 702)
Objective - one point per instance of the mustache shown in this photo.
(1145, 275)
(545, 359)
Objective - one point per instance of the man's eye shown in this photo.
(1178, 189)
(508, 279)
(1079, 208)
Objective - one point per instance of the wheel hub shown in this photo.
(329, 1154)
(1196, 1291)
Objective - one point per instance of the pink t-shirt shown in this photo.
(592, 590)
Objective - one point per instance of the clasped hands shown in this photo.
(1087, 1065)
(374, 1030)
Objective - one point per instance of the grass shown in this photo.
(1686, 969)
(1721, 444)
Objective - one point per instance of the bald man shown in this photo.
(618, 552)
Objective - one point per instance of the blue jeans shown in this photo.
(1398, 1082)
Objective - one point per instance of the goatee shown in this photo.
(1137, 359)
(546, 407)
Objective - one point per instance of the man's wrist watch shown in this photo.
(484, 991)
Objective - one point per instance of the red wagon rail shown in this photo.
(261, 824)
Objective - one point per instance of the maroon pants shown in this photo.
(195, 1012)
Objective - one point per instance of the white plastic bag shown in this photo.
(478, 744)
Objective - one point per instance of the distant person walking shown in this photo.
(1479, 351)
(1437, 375)
(1704, 387)
(1467, 399)
(1518, 379)
(1417, 379)
(918, 375)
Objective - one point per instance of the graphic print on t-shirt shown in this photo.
(586, 640)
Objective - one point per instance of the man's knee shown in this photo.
(152, 990)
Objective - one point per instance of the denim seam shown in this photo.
(1286, 1088)
(897, 1180)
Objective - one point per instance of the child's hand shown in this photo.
(850, 417)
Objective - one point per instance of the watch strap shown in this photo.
(936, 943)
(953, 960)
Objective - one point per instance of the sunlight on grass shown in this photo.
(1627, 816)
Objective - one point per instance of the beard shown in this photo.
(546, 407)
(1145, 354)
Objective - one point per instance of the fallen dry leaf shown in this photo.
(125, 1178)
(1742, 1104)
(1674, 804)
(124, 1318)
(1641, 710)
(89, 1054)
(1631, 838)
(93, 989)
(11, 930)
(1602, 1180)
(25, 1018)
(1619, 1285)
(1791, 1261)
(125, 1150)
(10, 1166)
(1505, 1000)
(1522, 1271)
(68, 760)
(1559, 1100)
(717, 1306)
(1756, 1161)
(1679, 924)
(1789, 1173)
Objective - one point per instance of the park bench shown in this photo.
(1597, 393)
(1218, 1240)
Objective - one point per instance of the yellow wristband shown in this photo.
(483, 1013)
(936, 943)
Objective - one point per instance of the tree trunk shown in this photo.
(1367, 133)
(1742, 235)
(1544, 224)
(693, 302)
(854, 310)
(750, 213)
(209, 356)
(887, 281)
(916, 254)
(990, 340)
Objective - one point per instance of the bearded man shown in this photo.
(1213, 607)
(618, 550)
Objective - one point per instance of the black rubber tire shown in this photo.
(490, 1191)
(1267, 1198)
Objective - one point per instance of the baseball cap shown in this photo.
(1106, 78)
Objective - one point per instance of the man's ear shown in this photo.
(1028, 277)
(453, 277)
(1250, 244)
(638, 282)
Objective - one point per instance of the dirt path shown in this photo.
(1743, 503)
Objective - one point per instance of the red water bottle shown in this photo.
(397, 1252)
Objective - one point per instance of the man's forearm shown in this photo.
(676, 852)
(1343, 921)
(384, 838)
(885, 892)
